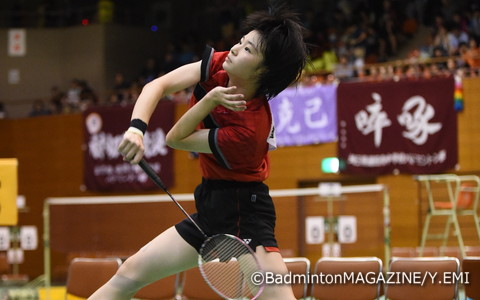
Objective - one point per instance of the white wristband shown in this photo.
(135, 130)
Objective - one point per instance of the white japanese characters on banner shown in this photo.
(305, 115)
(407, 126)
(105, 169)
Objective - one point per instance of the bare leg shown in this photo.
(273, 262)
(165, 255)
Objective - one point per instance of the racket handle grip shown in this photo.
(151, 173)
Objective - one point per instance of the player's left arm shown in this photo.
(184, 134)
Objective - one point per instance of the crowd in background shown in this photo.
(450, 32)
(350, 40)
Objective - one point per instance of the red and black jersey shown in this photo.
(238, 140)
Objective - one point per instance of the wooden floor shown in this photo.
(58, 293)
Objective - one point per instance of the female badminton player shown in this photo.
(229, 124)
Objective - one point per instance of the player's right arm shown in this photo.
(174, 81)
(132, 147)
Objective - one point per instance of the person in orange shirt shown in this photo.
(472, 55)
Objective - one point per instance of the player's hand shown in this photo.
(131, 147)
(228, 98)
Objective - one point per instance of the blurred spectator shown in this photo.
(411, 72)
(73, 96)
(472, 54)
(474, 24)
(459, 20)
(383, 73)
(39, 109)
(451, 65)
(438, 55)
(150, 70)
(121, 87)
(460, 55)
(413, 16)
(439, 22)
(361, 34)
(134, 91)
(329, 59)
(3, 112)
(323, 61)
(449, 7)
(186, 55)
(57, 99)
(113, 99)
(343, 69)
(441, 39)
(388, 29)
(88, 98)
(358, 59)
(455, 37)
(426, 50)
(170, 61)
(357, 36)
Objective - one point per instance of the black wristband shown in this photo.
(139, 124)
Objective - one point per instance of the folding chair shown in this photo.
(468, 199)
(164, 289)
(413, 278)
(471, 264)
(427, 251)
(451, 251)
(299, 266)
(86, 275)
(337, 268)
(472, 251)
(460, 199)
(403, 252)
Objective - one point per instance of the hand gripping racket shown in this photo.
(226, 262)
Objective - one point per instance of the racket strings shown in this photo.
(223, 248)
(227, 265)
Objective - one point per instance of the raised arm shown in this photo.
(185, 136)
(131, 146)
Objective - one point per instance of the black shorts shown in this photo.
(243, 209)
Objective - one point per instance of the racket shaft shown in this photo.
(156, 179)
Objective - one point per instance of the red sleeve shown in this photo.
(241, 146)
(216, 64)
(211, 63)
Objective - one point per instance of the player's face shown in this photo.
(245, 58)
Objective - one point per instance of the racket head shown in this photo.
(227, 264)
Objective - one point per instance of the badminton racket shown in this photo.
(226, 262)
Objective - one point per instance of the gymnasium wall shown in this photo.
(53, 57)
(49, 150)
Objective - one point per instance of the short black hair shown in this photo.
(284, 51)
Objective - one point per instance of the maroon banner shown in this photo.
(105, 169)
(405, 126)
